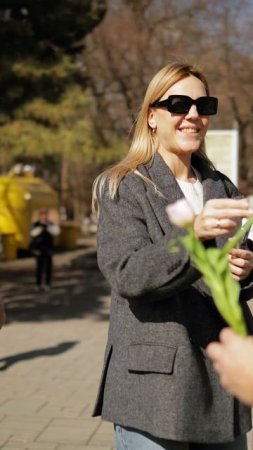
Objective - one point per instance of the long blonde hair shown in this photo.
(144, 142)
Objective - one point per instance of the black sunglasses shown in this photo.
(181, 104)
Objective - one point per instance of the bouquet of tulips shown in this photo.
(212, 263)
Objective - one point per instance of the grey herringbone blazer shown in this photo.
(156, 377)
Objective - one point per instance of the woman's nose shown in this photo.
(193, 112)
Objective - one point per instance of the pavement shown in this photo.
(51, 355)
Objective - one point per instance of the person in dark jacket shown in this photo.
(42, 244)
(157, 386)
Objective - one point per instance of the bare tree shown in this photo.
(123, 53)
(137, 38)
(229, 60)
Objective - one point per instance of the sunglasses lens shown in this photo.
(179, 105)
(207, 106)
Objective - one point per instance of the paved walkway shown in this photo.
(51, 353)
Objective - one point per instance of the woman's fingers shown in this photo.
(227, 208)
(224, 203)
(241, 253)
(238, 273)
(212, 222)
(240, 263)
(221, 216)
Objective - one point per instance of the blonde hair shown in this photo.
(144, 142)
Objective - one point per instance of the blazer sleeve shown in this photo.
(247, 284)
(131, 262)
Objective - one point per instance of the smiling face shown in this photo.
(181, 134)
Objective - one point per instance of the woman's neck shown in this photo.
(180, 165)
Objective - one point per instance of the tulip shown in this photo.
(212, 263)
(180, 213)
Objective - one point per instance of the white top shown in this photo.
(193, 192)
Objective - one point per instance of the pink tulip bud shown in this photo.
(180, 213)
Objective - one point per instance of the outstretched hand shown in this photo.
(233, 361)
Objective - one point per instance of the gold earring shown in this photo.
(153, 130)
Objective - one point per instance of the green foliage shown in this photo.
(62, 128)
(39, 40)
(113, 152)
(44, 109)
(40, 127)
(60, 23)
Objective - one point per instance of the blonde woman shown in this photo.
(157, 387)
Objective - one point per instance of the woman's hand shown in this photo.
(233, 361)
(240, 263)
(220, 216)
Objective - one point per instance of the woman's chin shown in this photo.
(192, 145)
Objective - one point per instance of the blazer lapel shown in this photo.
(168, 190)
(213, 186)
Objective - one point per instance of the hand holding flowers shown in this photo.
(240, 263)
(213, 263)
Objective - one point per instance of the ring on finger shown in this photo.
(218, 223)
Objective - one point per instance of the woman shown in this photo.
(157, 386)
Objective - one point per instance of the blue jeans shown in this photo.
(131, 439)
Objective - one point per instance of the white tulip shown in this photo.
(180, 213)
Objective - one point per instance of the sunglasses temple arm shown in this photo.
(159, 103)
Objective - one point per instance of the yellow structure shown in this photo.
(21, 196)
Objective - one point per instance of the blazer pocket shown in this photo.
(151, 358)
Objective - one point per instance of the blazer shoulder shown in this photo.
(230, 188)
(131, 189)
(134, 181)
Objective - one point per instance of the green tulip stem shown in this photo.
(237, 237)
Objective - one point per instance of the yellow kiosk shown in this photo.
(21, 196)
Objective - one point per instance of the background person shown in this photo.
(233, 360)
(157, 387)
(42, 233)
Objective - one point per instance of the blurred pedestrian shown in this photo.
(157, 387)
(42, 245)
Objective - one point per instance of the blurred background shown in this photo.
(73, 75)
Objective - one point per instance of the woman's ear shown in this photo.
(151, 120)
